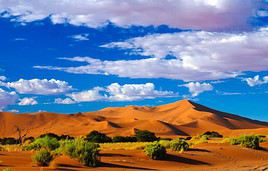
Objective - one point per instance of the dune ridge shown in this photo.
(179, 118)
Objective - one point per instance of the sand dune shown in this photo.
(179, 118)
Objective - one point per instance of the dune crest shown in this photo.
(179, 118)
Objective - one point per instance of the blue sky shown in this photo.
(75, 56)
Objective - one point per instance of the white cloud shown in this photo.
(64, 101)
(87, 96)
(80, 37)
(28, 101)
(197, 55)
(38, 86)
(195, 88)
(256, 80)
(198, 14)
(3, 78)
(7, 98)
(117, 92)
(129, 92)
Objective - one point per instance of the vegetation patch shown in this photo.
(145, 136)
(86, 152)
(179, 145)
(124, 139)
(42, 157)
(248, 141)
(124, 146)
(97, 137)
(212, 134)
(155, 151)
(47, 142)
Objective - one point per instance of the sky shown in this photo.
(84, 55)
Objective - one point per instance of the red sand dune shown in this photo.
(179, 118)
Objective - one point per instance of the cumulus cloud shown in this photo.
(256, 80)
(129, 92)
(39, 86)
(7, 98)
(87, 96)
(64, 101)
(80, 37)
(27, 101)
(117, 92)
(3, 78)
(195, 88)
(198, 14)
(197, 56)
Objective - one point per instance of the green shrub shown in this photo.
(124, 139)
(42, 157)
(212, 134)
(179, 145)
(28, 140)
(86, 152)
(47, 142)
(145, 136)
(97, 137)
(9, 141)
(165, 143)
(249, 141)
(204, 137)
(155, 151)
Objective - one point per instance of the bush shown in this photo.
(9, 141)
(86, 152)
(179, 145)
(58, 137)
(124, 139)
(46, 142)
(28, 140)
(165, 143)
(51, 135)
(97, 137)
(42, 157)
(212, 134)
(145, 136)
(249, 141)
(155, 151)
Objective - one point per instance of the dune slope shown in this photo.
(178, 118)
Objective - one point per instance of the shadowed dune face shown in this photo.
(179, 118)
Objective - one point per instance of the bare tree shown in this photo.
(21, 136)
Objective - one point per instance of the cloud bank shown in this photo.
(117, 92)
(197, 14)
(196, 56)
(7, 98)
(39, 86)
(256, 80)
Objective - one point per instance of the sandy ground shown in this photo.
(203, 157)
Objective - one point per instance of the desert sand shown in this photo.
(178, 118)
(203, 157)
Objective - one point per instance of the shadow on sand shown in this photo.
(114, 155)
(180, 159)
(199, 150)
(123, 167)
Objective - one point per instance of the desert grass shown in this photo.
(124, 146)
(13, 147)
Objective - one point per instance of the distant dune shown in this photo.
(179, 118)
